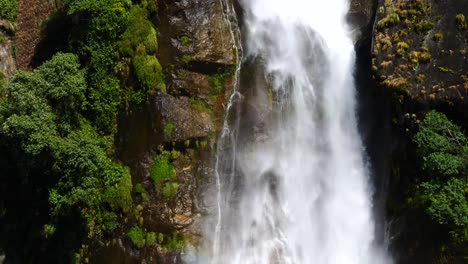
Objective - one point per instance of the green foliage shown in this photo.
(151, 238)
(8, 10)
(137, 236)
(2, 84)
(162, 169)
(140, 31)
(149, 72)
(118, 194)
(176, 242)
(168, 129)
(438, 134)
(170, 189)
(448, 205)
(42, 118)
(94, 40)
(186, 58)
(185, 41)
(444, 69)
(217, 82)
(444, 153)
(140, 238)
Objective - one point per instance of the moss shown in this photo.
(2, 84)
(184, 41)
(152, 238)
(119, 194)
(402, 47)
(170, 190)
(444, 69)
(140, 31)
(400, 83)
(420, 78)
(176, 242)
(199, 106)
(3, 39)
(168, 129)
(438, 37)
(217, 81)
(186, 58)
(162, 169)
(420, 57)
(461, 22)
(139, 188)
(424, 26)
(137, 236)
(149, 72)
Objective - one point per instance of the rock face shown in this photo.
(420, 51)
(31, 15)
(419, 60)
(7, 61)
(197, 51)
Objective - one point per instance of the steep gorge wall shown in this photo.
(419, 60)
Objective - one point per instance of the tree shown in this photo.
(443, 150)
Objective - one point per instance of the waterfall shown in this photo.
(293, 186)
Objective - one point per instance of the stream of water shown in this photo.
(300, 192)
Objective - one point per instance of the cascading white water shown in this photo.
(304, 194)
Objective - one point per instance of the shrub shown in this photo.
(8, 10)
(118, 194)
(137, 236)
(444, 154)
(162, 170)
(149, 72)
(140, 31)
(151, 238)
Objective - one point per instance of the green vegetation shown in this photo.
(163, 174)
(149, 72)
(162, 169)
(402, 47)
(186, 58)
(218, 81)
(170, 189)
(444, 69)
(443, 149)
(438, 37)
(137, 236)
(168, 129)
(461, 22)
(140, 238)
(2, 84)
(176, 242)
(139, 43)
(8, 10)
(42, 121)
(57, 125)
(185, 41)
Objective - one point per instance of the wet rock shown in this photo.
(423, 56)
(360, 17)
(182, 121)
(198, 29)
(7, 61)
(420, 60)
